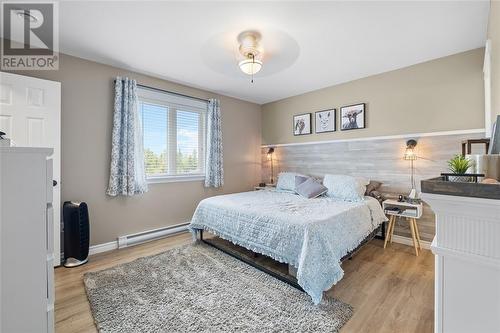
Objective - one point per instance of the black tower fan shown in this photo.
(76, 233)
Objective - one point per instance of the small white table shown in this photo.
(410, 211)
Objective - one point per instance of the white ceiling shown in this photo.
(307, 45)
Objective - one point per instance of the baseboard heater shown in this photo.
(146, 236)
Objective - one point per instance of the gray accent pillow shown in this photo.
(299, 180)
(311, 189)
(377, 195)
(372, 186)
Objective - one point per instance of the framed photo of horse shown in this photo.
(352, 117)
(302, 124)
(325, 121)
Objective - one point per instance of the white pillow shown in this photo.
(344, 187)
(286, 181)
(363, 181)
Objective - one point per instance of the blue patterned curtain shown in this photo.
(214, 169)
(127, 175)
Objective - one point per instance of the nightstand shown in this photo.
(410, 211)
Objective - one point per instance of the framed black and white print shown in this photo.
(325, 121)
(302, 124)
(352, 117)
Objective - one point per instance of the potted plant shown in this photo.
(459, 165)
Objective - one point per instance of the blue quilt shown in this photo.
(310, 234)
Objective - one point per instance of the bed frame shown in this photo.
(291, 280)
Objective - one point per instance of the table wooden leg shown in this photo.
(392, 228)
(417, 233)
(391, 220)
(412, 228)
(388, 231)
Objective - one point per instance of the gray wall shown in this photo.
(438, 95)
(87, 109)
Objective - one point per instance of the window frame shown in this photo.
(174, 104)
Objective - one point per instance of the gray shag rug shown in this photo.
(196, 288)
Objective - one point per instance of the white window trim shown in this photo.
(174, 103)
(175, 178)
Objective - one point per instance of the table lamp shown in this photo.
(270, 153)
(411, 156)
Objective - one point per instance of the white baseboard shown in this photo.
(104, 247)
(408, 241)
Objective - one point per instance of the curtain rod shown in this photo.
(171, 92)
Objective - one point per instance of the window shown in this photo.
(174, 135)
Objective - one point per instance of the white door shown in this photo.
(30, 115)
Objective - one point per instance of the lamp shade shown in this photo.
(410, 154)
(250, 66)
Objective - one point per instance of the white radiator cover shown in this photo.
(467, 270)
(146, 236)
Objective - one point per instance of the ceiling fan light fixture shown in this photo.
(250, 66)
(250, 50)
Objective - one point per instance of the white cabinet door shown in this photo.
(30, 115)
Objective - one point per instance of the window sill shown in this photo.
(174, 179)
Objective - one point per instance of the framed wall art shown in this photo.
(325, 121)
(302, 124)
(352, 117)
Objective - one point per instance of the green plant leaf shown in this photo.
(459, 164)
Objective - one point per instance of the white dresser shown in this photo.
(26, 241)
(467, 268)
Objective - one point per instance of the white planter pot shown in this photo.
(461, 179)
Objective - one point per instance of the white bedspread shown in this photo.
(310, 234)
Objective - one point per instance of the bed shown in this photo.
(312, 235)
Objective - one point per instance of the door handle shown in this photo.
(54, 183)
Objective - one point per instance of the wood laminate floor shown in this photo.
(391, 290)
